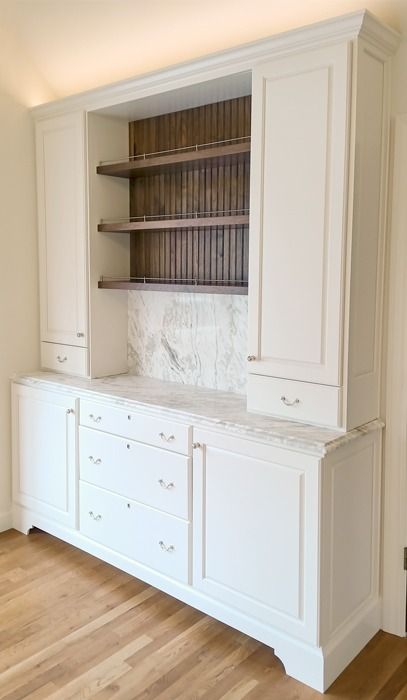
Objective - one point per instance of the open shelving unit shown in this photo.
(189, 204)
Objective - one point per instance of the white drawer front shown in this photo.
(154, 477)
(158, 432)
(311, 403)
(64, 358)
(155, 539)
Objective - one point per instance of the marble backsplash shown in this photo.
(198, 339)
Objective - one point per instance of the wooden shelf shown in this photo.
(212, 156)
(168, 224)
(158, 285)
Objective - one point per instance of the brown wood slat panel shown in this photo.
(184, 249)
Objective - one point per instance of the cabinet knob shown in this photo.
(96, 419)
(163, 436)
(80, 335)
(62, 359)
(251, 358)
(94, 517)
(289, 403)
(170, 548)
(164, 485)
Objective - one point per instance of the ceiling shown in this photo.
(80, 44)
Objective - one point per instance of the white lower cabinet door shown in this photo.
(256, 517)
(143, 534)
(44, 453)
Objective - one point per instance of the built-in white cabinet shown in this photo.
(260, 535)
(81, 333)
(319, 148)
(277, 533)
(62, 226)
(44, 453)
(318, 182)
(260, 532)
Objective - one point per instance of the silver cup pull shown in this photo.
(95, 517)
(96, 419)
(170, 548)
(164, 437)
(166, 486)
(94, 461)
(289, 403)
(62, 359)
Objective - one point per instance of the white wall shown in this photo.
(19, 343)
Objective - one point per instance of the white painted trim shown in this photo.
(395, 453)
(229, 62)
(6, 520)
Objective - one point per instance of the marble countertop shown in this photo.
(202, 407)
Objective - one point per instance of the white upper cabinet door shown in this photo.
(62, 228)
(298, 215)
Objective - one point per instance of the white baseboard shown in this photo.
(345, 645)
(6, 520)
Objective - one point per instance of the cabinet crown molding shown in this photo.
(227, 62)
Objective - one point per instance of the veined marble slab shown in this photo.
(207, 408)
(197, 339)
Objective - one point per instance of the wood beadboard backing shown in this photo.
(203, 254)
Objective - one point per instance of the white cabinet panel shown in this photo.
(156, 431)
(64, 358)
(157, 478)
(255, 530)
(154, 539)
(299, 401)
(61, 181)
(298, 215)
(44, 453)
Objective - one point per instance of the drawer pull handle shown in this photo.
(62, 359)
(80, 335)
(69, 411)
(289, 403)
(95, 517)
(96, 419)
(94, 461)
(251, 358)
(163, 436)
(166, 486)
(164, 547)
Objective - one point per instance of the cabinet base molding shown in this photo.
(6, 520)
(315, 666)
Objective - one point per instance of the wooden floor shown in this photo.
(74, 627)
